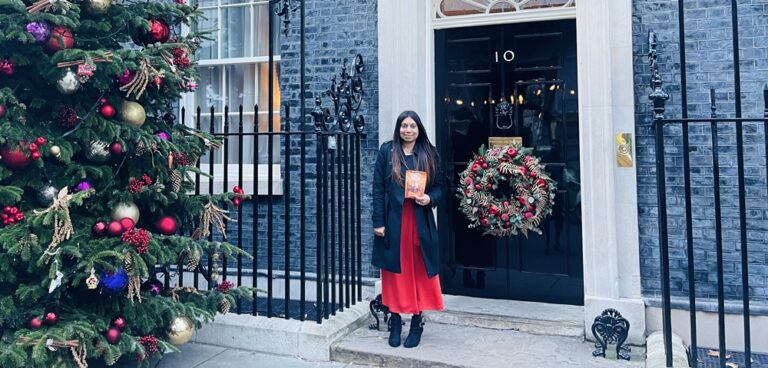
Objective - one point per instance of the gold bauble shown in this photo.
(97, 7)
(124, 210)
(180, 330)
(132, 114)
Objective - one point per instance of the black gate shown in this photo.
(708, 165)
(302, 223)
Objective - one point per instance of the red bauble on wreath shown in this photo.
(505, 191)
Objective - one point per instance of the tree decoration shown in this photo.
(49, 5)
(166, 225)
(35, 323)
(149, 342)
(97, 152)
(116, 148)
(47, 194)
(6, 67)
(505, 191)
(62, 223)
(99, 228)
(40, 31)
(114, 228)
(153, 286)
(97, 7)
(68, 82)
(138, 84)
(138, 238)
(51, 318)
(55, 150)
(61, 37)
(127, 223)
(212, 214)
(123, 210)
(119, 322)
(239, 191)
(125, 78)
(108, 111)
(11, 215)
(136, 184)
(132, 114)
(113, 335)
(180, 57)
(83, 186)
(14, 157)
(85, 72)
(225, 286)
(115, 281)
(180, 330)
(3, 111)
(159, 31)
(67, 117)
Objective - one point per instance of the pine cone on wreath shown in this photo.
(176, 181)
(224, 306)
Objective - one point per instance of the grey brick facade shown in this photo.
(709, 65)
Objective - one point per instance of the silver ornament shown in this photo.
(47, 194)
(123, 210)
(97, 7)
(68, 83)
(97, 152)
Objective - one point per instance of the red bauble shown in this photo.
(2, 111)
(119, 322)
(484, 221)
(127, 223)
(236, 201)
(63, 33)
(114, 228)
(34, 155)
(108, 111)
(113, 335)
(14, 159)
(159, 31)
(166, 225)
(40, 141)
(99, 228)
(51, 318)
(35, 323)
(116, 148)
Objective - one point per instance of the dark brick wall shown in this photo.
(708, 45)
(336, 30)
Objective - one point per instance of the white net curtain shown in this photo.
(453, 8)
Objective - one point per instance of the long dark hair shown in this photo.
(425, 154)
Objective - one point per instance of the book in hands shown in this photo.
(415, 183)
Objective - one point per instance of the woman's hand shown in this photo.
(423, 200)
(379, 231)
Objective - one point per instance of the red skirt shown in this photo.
(411, 291)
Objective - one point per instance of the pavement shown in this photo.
(206, 356)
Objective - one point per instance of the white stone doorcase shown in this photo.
(606, 108)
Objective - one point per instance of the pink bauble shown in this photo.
(113, 335)
(167, 225)
(14, 159)
(99, 228)
(127, 223)
(114, 228)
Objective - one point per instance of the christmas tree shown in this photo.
(94, 183)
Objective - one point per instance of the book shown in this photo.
(415, 183)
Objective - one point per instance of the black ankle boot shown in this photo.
(395, 329)
(414, 335)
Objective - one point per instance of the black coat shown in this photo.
(388, 199)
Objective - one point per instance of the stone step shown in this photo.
(450, 346)
(534, 318)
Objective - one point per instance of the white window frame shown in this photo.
(255, 176)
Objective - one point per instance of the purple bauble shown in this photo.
(153, 286)
(83, 186)
(163, 135)
(39, 30)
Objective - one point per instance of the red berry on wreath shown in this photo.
(475, 167)
(34, 155)
(493, 210)
(32, 147)
(484, 221)
(505, 216)
(478, 187)
(484, 165)
(528, 215)
(523, 170)
(40, 141)
(512, 152)
(506, 203)
(532, 174)
(507, 225)
(488, 186)
(236, 201)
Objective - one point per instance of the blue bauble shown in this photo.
(113, 283)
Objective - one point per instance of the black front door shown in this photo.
(530, 69)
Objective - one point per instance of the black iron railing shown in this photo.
(665, 127)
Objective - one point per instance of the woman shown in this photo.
(406, 247)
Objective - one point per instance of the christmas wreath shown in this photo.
(505, 191)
